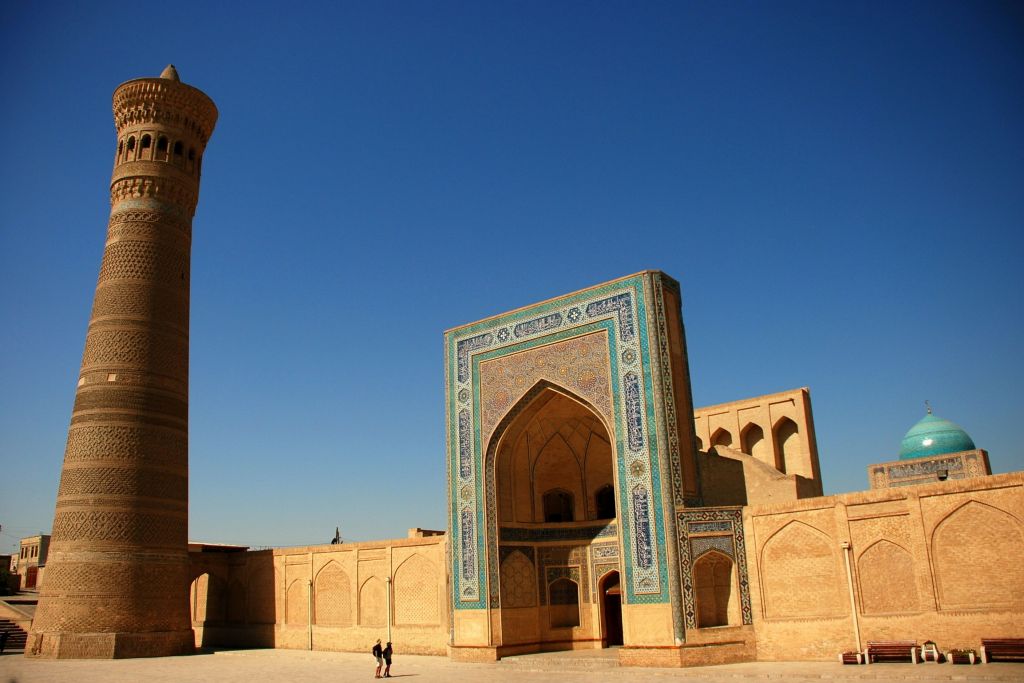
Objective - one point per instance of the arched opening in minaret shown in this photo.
(555, 498)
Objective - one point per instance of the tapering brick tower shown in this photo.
(117, 579)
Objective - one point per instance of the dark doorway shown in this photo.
(611, 609)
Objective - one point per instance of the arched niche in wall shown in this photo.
(753, 443)
(332, 596)
(721, 437)
(789, 451)
(976, 553)
(715, 593)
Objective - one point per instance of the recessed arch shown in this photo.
(510, 428)
(885, 574)
(415, 591)
(373, 602)
(789, 455)
(753, 443)
(332, 596)
(208, 594)
(800, 573)
(559, 506)
(994, 535)
(721, 437)
(714, 586)
(548, 421)
(518, 581)
(297, 603)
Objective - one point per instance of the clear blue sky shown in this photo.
(839, 188)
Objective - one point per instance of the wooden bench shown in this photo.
(1008, 649)
(892, 651)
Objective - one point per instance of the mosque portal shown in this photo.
(571, 446)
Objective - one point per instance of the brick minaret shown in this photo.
(117, 580)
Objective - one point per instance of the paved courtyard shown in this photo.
(271, 666)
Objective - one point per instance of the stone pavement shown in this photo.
(294, 666)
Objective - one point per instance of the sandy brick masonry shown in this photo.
(325, 597)
(118, 560)
(937, 562)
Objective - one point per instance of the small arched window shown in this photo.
(191, 153)
(178, 148)
(161, 144)
(146, 142)
(605, 502)
(131, 144)
(558, 506)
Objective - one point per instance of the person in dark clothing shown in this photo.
(378, 654)
(387, 660)
(3, 640)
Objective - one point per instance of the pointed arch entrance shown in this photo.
(610, 592)
(549, 475)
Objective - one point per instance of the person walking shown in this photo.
(378, 654)
(387, 660)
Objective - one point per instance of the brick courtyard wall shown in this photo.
(326, 597)
(931, 562)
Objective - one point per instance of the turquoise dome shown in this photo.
(934, 436)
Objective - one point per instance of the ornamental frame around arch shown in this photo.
(625, 310)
